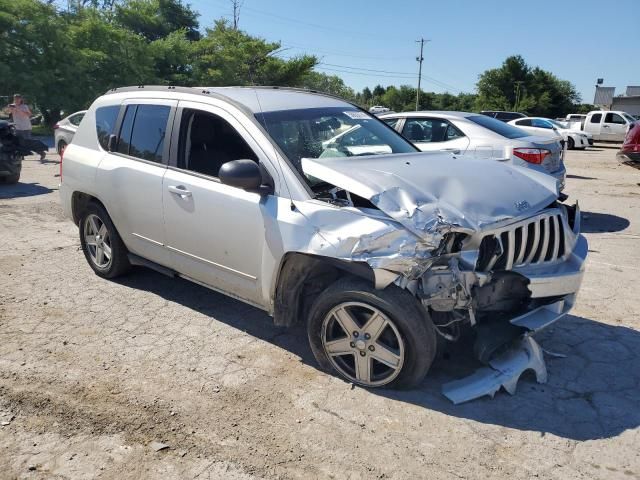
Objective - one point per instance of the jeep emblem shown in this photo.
(522, 205)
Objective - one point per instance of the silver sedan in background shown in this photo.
(65, 129)
(478, 136)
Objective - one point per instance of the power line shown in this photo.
(333, 52)
(441, 84)
(366, 69)
(365, 73)
(406, 75)
(403, 75)
(283, 18)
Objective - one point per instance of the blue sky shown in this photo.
(578, 40)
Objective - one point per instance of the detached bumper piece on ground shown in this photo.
(503, 371)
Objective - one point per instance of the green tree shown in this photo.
(156, 19)
(367, 96)
(225, 56)
(378, 91)
(331, 84)
(34, 48)
(62, 60)
(104, 55)
(172, 57)
(517, 86)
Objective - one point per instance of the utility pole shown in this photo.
(419, 59)
(236, 5)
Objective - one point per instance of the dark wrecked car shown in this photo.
(12, 151)
(315, 211)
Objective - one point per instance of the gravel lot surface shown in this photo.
(92, 372)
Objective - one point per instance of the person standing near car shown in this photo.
(21, 114)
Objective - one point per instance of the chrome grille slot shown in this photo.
(539, 239)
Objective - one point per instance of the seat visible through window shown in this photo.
(207, 142)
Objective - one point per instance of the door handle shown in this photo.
(452, 150)
(605, 126)
(179, 190)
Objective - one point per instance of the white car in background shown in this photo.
(65, 129)
(574, 138)
(479, 136)
(379, 109)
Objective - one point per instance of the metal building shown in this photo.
(627, 103)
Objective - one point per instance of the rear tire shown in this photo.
(102, 246)
(11, 179)
(391, 340)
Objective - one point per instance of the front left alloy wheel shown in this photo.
(372, 338)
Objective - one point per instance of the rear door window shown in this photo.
(596, 117)
(106, 118)
(430, 130)
(496, 126)
(538, 123)
(524, 123)
(148, 132)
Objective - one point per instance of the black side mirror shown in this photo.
(112, 143)
(244, 174)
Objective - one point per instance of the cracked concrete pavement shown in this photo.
(92, 371)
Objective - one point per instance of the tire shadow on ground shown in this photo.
(591, 394)
(19, 189)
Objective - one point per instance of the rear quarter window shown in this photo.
(496, 126)
(76, 119)
(106, 118)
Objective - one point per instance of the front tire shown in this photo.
(571, 144)
(102, 246)
(373, 338)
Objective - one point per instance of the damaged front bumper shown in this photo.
(552, 287)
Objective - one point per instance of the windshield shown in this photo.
(497, 126)
(331, 132)
(629, 117)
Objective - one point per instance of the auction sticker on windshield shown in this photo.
(355, 115)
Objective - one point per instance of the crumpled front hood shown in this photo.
(432, 193)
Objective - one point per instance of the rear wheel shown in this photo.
(571, 144)
(102, 246)
(372, 338)
(12, 178)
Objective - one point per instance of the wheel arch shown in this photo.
(79, 202)
(302, 277)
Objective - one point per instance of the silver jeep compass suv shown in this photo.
(315, 211)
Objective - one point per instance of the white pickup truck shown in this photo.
(608, 126)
